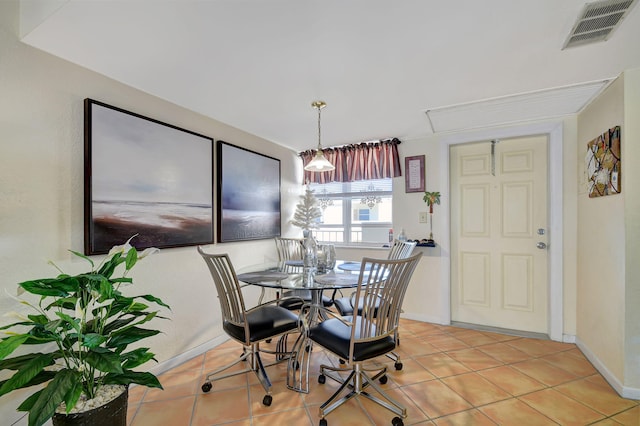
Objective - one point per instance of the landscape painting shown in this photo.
(248, 194)
(144, 178)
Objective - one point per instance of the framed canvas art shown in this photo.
(145, 178)
(248, 194)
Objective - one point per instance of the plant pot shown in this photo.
(113, 413)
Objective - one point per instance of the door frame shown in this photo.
(554, 131)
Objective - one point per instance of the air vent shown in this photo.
(597, 21)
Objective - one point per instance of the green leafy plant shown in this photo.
(431, 198)
(81, 328)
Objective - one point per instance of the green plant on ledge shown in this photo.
(431, 198)
(80, 330)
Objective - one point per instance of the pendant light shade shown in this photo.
(319, 163)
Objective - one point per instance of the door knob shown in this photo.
(541, 245)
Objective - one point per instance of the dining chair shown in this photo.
(382, 285)
(290, 254)
(399, 250)
(344, 305)
(248, 327)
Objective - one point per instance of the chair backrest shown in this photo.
(228, 288)
(401, 249)
(381, 289)
(289, 248)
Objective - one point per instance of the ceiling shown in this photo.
(379, 65)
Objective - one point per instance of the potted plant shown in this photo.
(80, 330)
(431, 198)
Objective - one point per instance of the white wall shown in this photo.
(601, 238)
(608, 293)
(631, 177)
(41, 190)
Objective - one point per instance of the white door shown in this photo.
(499, 234)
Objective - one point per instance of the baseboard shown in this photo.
(424, 318)
(507, 331)
(623, 391)
(568, 338)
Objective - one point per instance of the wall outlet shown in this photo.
(422, 218)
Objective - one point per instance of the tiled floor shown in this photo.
(451, 376)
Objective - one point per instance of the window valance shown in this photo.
(362, 161)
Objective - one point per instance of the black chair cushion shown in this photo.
(343, 305)
(334, 335)
(294, 303)
(265, 322)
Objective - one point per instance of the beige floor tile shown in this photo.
(475, 389)
(175, 386)
(283, 399)
(571, 364)
(383, 416)
(349, 414)
(417, 346)
(437, 385)
(412, 372)
(504, 353)
(435, 398)
(175, 412)
(560, 408)
(538, 348)
(500, 337)
(474, 338)
(136, 393)
(442, 365)
(544, 372)
(474, 359)
(511, 380)
(447, 343)
(297, 417)
(513, 412)
(223, 406)
(195, 363)
(629, 417)
(601, 398)
(465, 418)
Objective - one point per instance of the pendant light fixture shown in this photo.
(319, 162)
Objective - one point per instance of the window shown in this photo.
(355, 212)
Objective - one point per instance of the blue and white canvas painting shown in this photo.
(249, 194)
(146, 178)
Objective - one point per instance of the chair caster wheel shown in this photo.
(307, 349)
(398, 366)
(206, 387)
(267, 400)
(268, 341)
(397, 421)
(297, 366)
(383, 380)
(322, 379)
(323, 422)
(341, 361)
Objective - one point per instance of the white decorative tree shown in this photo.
(307, 211)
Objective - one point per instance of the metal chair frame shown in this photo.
(380, 292)
(234, 314)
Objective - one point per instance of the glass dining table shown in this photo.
(289, 275)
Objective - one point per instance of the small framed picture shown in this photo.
(414, 173)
